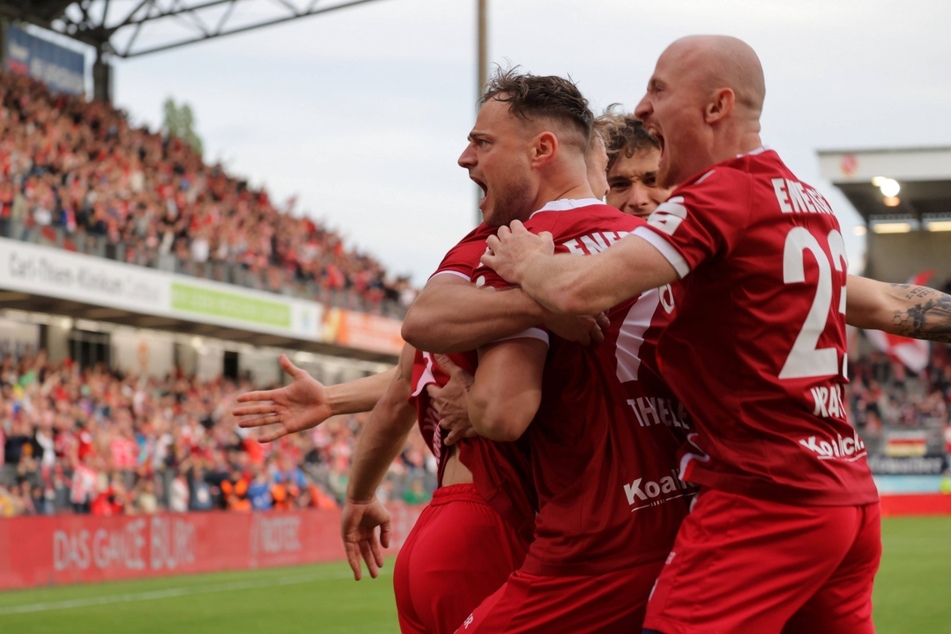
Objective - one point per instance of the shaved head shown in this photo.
(703, 104)
(722, 61)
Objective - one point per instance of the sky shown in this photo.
(362, 113)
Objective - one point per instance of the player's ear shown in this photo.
(544, 148)
(720, 105)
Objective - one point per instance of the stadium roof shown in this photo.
(130, 28)
(892, 187)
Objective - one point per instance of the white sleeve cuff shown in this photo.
(451, 272)
(666, 249)
(530, 333)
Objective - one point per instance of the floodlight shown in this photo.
(889, 187)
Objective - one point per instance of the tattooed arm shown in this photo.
(900, 309)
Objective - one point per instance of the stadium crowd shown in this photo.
(79, 175)
(885, 396)
(91, 440)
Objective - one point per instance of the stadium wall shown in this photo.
(897, 257)
(40, 551)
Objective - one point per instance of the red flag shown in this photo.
(913, 353)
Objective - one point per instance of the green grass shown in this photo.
(913, 583)
(911, 595)
(321, 598)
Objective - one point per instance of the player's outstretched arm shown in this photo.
(452, 315)
(507, 389)
(381, 441)
(900, 309)
(306, 402)
(576, 284)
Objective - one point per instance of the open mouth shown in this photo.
(660, 142)
(482, 186)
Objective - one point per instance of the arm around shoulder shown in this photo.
(578, 284)
(452, 315)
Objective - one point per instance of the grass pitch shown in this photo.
(911, 595)
(314, 599)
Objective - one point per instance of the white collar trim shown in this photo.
(567, 204)
(759, 150)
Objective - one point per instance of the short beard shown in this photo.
(514, 203)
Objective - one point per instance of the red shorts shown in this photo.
(458, 553)
(746, 565)
(605, 603)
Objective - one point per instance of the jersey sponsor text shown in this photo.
(643, 494)
(846, 448)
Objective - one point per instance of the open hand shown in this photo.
(358, 527)
(299, 405)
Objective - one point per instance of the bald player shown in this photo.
(785, 532)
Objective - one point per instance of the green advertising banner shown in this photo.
(204, 301)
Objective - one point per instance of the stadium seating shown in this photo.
(900, 413)
(79, 175)
(89, 440)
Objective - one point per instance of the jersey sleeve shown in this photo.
(489, 281)
(703, 222)
(463, 258)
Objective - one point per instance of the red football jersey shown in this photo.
(463, 257)
(427, 372)
(501, 472)
(605, 438)
(460, 261)
(757, 351)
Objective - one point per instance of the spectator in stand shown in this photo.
(316, 497)
(8, 505)
(178, 494)
(199, 490)
(83, 486)
(22, 495)
(259, 490)
(111, 499)
(145, 500)
(235, 491)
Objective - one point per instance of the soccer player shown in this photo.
(785, 532)
(476, 529)
(633, 155)
(601, 425)
(461, 548)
